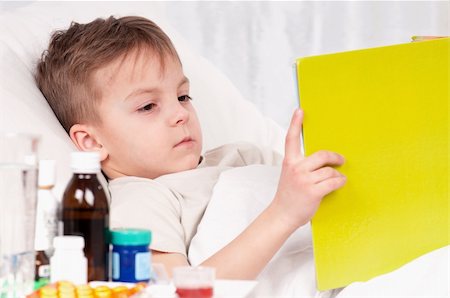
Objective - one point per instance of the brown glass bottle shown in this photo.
(85, 212)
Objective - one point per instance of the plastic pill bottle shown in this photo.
(131, 257)
(68, 262)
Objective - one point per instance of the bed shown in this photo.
(226, 117)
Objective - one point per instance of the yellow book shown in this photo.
(385, 110)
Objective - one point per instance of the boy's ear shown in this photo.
(84, 138)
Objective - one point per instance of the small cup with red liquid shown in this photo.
(194, 282)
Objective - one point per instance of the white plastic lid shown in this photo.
(68, 242)
(47, 172)
(85, 162)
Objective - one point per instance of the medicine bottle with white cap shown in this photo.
(85, 212)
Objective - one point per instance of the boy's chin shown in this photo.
(190, 164)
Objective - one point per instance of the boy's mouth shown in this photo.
(185, 141)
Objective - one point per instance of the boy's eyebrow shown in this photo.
(150, 90)
(183, 81)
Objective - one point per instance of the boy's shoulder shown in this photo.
(136, 187)
(240, 154)
(232, 147)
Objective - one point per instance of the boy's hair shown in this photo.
(64, 72)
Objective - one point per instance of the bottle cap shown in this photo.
(68, 242)
(124, 236)
(46, 172)
(40, 241)
(85, 162)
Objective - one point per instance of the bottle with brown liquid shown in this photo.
(42, 269)
(85, 212)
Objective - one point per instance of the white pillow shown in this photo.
(24, 109)
(25, 30)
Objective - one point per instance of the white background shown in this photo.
(255, 43)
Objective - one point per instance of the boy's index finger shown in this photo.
(292, 145)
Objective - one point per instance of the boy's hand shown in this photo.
(304, 181)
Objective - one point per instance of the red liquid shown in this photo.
(195, 293)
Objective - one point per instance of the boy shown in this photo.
(117, 87)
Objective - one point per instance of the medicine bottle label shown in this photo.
(115, 266)
(142, 266)
(44, 271)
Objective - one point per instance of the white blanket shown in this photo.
(239, 197)
(427, 276)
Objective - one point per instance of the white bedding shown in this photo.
(427, 276)
(242, 193)
(239, 197)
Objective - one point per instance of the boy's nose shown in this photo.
(181, 115)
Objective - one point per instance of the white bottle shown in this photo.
(68, 261)
(47, 206)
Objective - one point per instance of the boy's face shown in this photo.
(148, 125)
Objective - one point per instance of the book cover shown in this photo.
(385, 110)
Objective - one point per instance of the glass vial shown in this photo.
(46, 221)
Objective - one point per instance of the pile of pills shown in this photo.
(65, 289)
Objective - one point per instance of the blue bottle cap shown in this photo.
(127, 236)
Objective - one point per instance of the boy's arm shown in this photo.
(170, 260)
(304, 181)
(245, 256)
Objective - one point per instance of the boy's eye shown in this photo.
(184, 98)
(147, 107)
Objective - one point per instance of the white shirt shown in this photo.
(172, 205)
